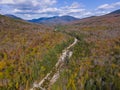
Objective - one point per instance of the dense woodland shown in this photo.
(29, 51)
(95, 64)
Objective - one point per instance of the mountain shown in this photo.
(116, 12)
(12, 16)
(54, 20)
(10, 23)
(107, 20)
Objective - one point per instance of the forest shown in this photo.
(28, 52)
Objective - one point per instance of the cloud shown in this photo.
(28, 4)
(108, 6)
(28, 9)
(34, 2)
(72, 9)
(21, 7)
(98, 13)
(74, 5)
(6, 2)
(75, 9)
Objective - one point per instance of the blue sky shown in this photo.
(29, 9)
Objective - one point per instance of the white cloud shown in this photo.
(105, 6)
(28, 15)
(35, 3)
(73, 9)
(19, 1)
(49, 2)
(39, 3)
(6, 2)
(108, 6)
(47, 10)
(98, 13)
(16, 10)
(75, 5)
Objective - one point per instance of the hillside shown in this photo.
(96, 58)
(25, 52)
(56, 20)
(11, 23)
(101, 24)
(104, 20)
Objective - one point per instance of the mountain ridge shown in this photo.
(106, 19)
(54, 20)
(13, 16)
(115, 12)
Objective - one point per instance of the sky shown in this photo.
(31, 9)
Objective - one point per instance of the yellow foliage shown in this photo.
(2, 65)
(1, 75)
(17, 85)
(42, 68)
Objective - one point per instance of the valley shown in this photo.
(75, 54)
